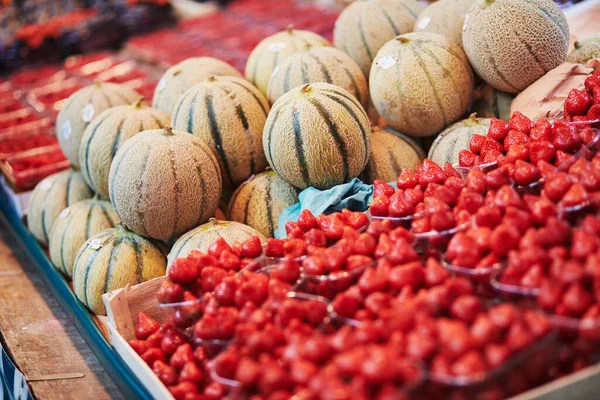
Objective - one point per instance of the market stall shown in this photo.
(312, 200)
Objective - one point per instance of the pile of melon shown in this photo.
(146, 182)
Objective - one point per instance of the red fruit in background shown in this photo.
(550, 294)
(420, 346)
(491, 155)
(488, 216)
(274, 248)
(307, 221)
(592, 81)
(476, 143)
(537, 323)
(191, 372)
(541, 150)
(520, 123)
(172, 341)
(542, 131)
(514, 137)
(252, 247)
(183, 271)
(490, 145)
(466, 308)
(533, 277)
(497, 178)
(503, 315)
(228, 260)
(575, 195)
(503, 239)
(155, 339)
(211, 277)
(483, 330)
(214, 391)
(152, 355)
(315, 237)
(400, 206)
(496, 354)
(519, 336)
(594, 111)
(578, 102)
(170, 292)
(182, 390)
(470, 201)
(576, 299)
(382, 188)
(498, 129)
(566, 138)
(557, 185)
(507, 196)
(463, 251)
(466, 158)
(139, 346)
(429, 172)
(449, 170)
(293, 230)
(354, 219)
(145, 326)
(442, 221)
(164, 372)
(517, 218)
(420, 225)
(218, 247)
(182, 355)
(407, 179)
(411, 274)
(379, 206)
(454, 337)
(414, 196)
(435, 274)
(401, 252)
(525, 173)
(476, 181)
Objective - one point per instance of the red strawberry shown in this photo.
(430, 172)
(575, 196)
(490, 145)
(518, 152)
(152, 355)
(379, 206)
(382, 188)
(466, 158)
(182, 355)
(596, 95)
(520, 122)
(578, 102)
(183, 271)
(565, 138)
(514, 137)
(139, 346)
(476, 143)
(525, 173)
(594, 111)
(449, 170)
(592, 81)
(542, 130)
(400, 206)
(165, 372)
(541, 150)
(498, 129)
(407, 179)
(145, 327)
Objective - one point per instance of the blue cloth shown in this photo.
(354, 195)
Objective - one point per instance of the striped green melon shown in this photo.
(228, 114)
(391, 152)
(75, 225)
(81, 107)
(457, 137)
(50, 197)
(317, 135)
(276, 48)
(491, 103)
(444, 17)
(162, 183)
(364, 26)
(202, 237)
(113, 259)
(260, 200)
(420, 83)
(107, 132)
(512, 43)
(585, 50)
(318, 64)
(180, 77)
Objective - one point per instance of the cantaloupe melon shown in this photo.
(228, 114)
(444, 17)
(180, 77)
(276, 48)
(113, 259)
(317, 135)
(260, 200)
(585, 50)
(50, 197)
(163, 182)
(391, 152)
(512, 43)
(318, 64)
(76, 224)
(457, 137)
(81, 107)
(491, 103)
(364, 26)
(420, 83)
(202, 237)
(107, 132)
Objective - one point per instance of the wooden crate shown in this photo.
(122, 308)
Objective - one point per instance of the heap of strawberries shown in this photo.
(584, 105)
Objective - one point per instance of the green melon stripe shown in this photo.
(232, 200)
(355, 88)
(389, 19)
(190, 123)
(495, 105)
(117, 167)
(394, 162)
(446, 72)
(421, 63)
(286, 80)
(530, 50)
(210, 155)
(140, 191)
(270, 207)
(410, 11)
(305, 77)
(174, 170)
(565, 34)
(495, 66)
(88, 219)
(111, 263)
(202, 188)
(68, 190)
(247, 205)
(179, 105)
(449, 147)
(442, 46)
(254, 67)
(400, 86)
(63, 266)
(139, 260)
(87, 148)
(299, 145)
(216, 136)
(269, 134)
(106, 214)
(124, 98)
(322, 67)
(409, 141)
(352, 99)
(363, 38)
(275, 62)
(106, 99)
(177, 248)
(355, 118)
(87, 273)
(242, 116)
(157, 122)
(260, 103)
(333, 130)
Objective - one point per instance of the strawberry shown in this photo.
(182, 355)
(541, 150)
(498, 129)
(379, 206)
(490, 144)
(252, 247)
(518, 152)
(400, 206)
(565, 138)
(414, 196)
(274, 248)
(191, 373)
(152, 355)
(592, 81)
(578, 102)
(407, 179)
(449, 170)
(183, 389)
(293, 230)
(146, 326)
(520, 122)
(575, 195)
(139, 346)
(542, 130)
(430, 172)
(491, 155)
(594, 111)
(596, 95)
(514, 137)
(525, 173)
(382, 188)
(476, 143)
(183, 271)
(354, 219)
(164, 372)
(495, 179)
(466, 158)
(218, 247)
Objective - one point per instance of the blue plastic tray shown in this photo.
(113, 364)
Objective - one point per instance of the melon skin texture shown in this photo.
(317, 135)
(319, 64)
(260, 200)
(113, 259)
(585, 50)
(274, 49)
(81, 108)
(391, 152)
(106, 133)
(491, 103)
(50, 197)
(365, 26)
(512, 43)
(420, 83)
(75, 225)
(228, 114)
(180, 77)
(457, 137)
(444, 17)
(202, 237)
(162, 183)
